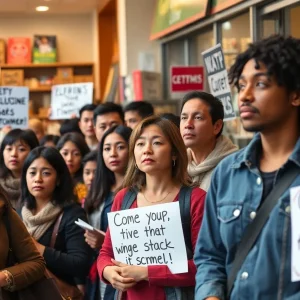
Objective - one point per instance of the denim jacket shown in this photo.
(231, 204)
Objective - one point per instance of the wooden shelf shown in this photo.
(41, 89)
(50, 65)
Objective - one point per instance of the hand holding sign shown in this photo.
(145, 236)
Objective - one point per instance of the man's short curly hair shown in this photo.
(279, 54)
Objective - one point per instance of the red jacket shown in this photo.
(159, 276)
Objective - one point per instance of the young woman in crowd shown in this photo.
(14, 149)
(47, 200)
(73, 148)
(112, 162)
(49, 140)
(89, 168)
(158, 170)
(31, 265)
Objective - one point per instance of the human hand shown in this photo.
(6, 129)
(136, 272)
(94, 238)
(41, 248)
(112, 274)
(3, 281)
(49, 112)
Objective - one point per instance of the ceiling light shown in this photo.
(226, 25)
(42, 8)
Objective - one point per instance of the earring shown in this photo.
(174, 162)
(136, 166)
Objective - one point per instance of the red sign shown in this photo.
(184, 79)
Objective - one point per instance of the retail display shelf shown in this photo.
(49, 65)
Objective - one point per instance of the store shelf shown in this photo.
(40, 89)
(50, 65)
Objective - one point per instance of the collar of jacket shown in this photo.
(248, 156)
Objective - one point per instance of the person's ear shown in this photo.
(218, 127)
(295, 98)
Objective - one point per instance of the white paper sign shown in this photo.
(14, 106)
(150, 235)
(295, 219)
(68, 99)
(218, 79)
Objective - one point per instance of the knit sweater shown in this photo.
(12, 189)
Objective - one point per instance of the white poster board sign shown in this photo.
(68, 99)
(149, 235)
(14, 106)
(218, 79)
(295, 219)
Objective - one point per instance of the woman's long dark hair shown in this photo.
(63, 193)
(78, 140)
(104, 178)
(24, 136)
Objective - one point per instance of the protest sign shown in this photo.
(295, 221)
(68, 99)
(149, 235)
(218, 79)
(14, 106)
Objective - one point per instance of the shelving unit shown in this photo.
(40, 95)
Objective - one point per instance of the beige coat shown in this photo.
(31, 265)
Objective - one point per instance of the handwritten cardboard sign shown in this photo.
(68, 99)
(14, 106)
(218, 79)
(295, 219)
(150, 235)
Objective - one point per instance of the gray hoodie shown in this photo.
(201, 174)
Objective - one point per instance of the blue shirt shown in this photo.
(232, 201)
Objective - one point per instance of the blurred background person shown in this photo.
(136, 111)
(13, 151)
(86, 125)
(73, 148)
(37, 127)
(49, 140)
(107, 115)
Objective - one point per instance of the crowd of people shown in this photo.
(110, 154)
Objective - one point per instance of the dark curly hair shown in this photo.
(279, 54)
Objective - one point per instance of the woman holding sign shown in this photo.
(14, 149)
(112, 160)
(156, 174)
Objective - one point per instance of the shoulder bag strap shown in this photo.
(55, 230)
(185, 212)
(129, 198)
(253, 229)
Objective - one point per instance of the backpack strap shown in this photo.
(185, 213)
(129, 198)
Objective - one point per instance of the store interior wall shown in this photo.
(75, 33)
(295, 22)
(135, 23)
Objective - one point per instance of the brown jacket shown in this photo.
(31, 265)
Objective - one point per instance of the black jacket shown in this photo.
(71, 258)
